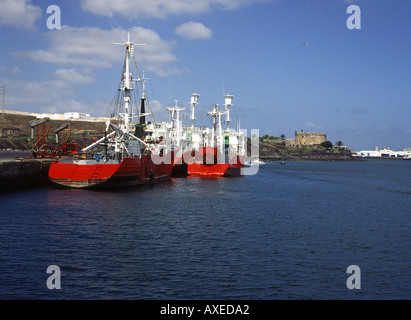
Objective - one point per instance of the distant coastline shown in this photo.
(15, 134)
(276, 150)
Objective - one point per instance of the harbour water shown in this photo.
(289, 232)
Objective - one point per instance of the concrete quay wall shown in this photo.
(23, 173)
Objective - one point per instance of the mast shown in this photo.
(213, 132)
(143, 101)
(127, 83)
(228, 103)
(219, 123)
(220, 132)
(194, 101)
(177, 133)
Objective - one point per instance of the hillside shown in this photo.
(15, 131)
(274, 150)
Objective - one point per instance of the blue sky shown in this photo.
(354, 85)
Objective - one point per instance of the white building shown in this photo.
(76, 115)
(383, 153)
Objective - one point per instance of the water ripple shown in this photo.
(289, 232)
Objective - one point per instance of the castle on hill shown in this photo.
(306, 139)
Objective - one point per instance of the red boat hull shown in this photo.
(203, 168)
(129, 172)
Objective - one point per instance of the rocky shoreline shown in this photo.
(15, 134)
(267, 152)
(276, 151)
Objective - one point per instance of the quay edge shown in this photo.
(21, 173)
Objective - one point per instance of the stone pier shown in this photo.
(21, 173)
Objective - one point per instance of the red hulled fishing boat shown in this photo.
(124, 157)
(222, 153)
(210, 166)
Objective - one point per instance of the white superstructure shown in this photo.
(383, 153)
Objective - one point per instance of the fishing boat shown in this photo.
(128, 155)
(223, 151)
(186, 139)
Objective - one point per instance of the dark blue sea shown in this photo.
(289, 232)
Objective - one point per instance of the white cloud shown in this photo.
(14, 71)
(84, 46)
(160, 8)
(92, 47)
(78, 52)
(24, 94)
(313, 125)
(49, 96)
(69, 105)
(193, 31)
(75, 76)
(158, 110)
(19, 13)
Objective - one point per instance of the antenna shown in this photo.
(128, 42)
(2, 109)
(117, 32)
